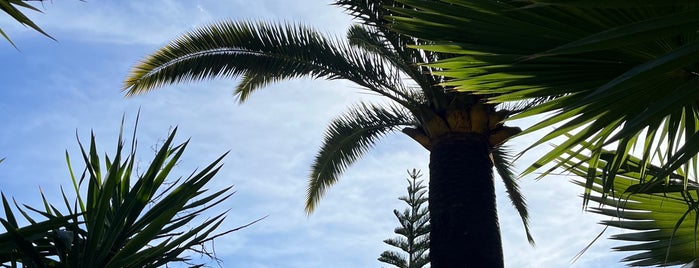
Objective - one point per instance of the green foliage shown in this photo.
(372, 56)
(261, 53)
(609, 73)
(414, 230)
(115, 221)
(10, 7)
(659, 219)
(347, 138)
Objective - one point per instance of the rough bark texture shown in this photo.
(465, 230)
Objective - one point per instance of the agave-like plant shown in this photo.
(10, 7)
(119, 222)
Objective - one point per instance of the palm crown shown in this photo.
(373, 57)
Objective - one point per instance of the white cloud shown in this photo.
(158, 21)
(272, 138)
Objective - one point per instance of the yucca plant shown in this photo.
(118, 221)
(10, 7)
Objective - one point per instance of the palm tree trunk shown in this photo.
(465, 230)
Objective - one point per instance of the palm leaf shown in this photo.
(376, 58)
(348, 137)
(374, 32)
(261, 53)
(660, 220)
(502, 160)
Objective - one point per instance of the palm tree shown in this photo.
(10, 8)
(613, 74)
(617, 73)
(461, 131)
(414, 230)
(119, 222)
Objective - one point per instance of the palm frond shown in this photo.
(347, 138)
(375, 41)
(367, 12)
(660, 219)
(502, 161)
(372, 40)
(261, 53)
(373, 17)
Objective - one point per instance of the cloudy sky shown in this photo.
(52, 89)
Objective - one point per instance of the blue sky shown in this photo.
(52, 90)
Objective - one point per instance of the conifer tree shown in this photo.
(414, 230)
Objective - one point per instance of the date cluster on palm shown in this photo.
(476, 120)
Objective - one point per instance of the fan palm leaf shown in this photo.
(659, 219)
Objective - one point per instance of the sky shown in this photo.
(53, 90)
